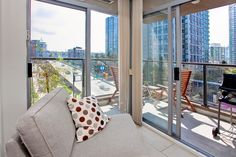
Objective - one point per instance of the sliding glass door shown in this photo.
(160, 90)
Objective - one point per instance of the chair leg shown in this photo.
(190, 104)
(113, 95)
(162, 91)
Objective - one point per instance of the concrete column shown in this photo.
(137, 22)
(124, 53)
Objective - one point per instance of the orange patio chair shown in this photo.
(185, 76)
(114, 71)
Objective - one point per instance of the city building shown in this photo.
(38, 48)
(195, 37)
(232, 33)
(155, 40)
(76, 52)
(97, 55)
(218, 54)
(155, 52)
(112, 36)
(195, 28)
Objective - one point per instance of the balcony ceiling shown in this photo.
(152, 5)
(100, 5)
(204, 5)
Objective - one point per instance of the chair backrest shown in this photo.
(229, 82)
(115, 72)
(185, 76)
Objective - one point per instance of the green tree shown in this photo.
(49, 77)
(34, 94)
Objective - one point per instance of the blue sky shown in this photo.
(64, 28)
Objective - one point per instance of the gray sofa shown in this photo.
(47, 130)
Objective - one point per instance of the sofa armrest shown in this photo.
(15, 148)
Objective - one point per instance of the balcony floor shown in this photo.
(196, 129)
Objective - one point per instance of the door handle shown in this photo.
(176, 73)
(29, 71)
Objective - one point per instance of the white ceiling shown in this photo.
(152, 5)
(98, 5)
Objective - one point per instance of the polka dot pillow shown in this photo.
(88, 117)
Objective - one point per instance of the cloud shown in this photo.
(42, 11)
(42, 31)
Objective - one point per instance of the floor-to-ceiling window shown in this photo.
(63, 54)
(57, 48)
(104, 53)
(104, 56)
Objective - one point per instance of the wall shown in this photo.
(12, 64)
(0, 80)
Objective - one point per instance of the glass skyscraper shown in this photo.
(195, 36)
(195, 28)
(218, 54)
(155, 40)
(112, 36)
(232, 33)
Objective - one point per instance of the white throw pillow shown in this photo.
(88, 117)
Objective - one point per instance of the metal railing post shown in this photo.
(83, 79)
(73, 84)
(205, 85)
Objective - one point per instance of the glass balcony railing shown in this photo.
(204, 84)
(102, 80)
(49, 73)
(69, 73)
(206, 80)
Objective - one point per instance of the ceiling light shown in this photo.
(107, 1)
(195, 2)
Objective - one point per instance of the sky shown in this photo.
(63, 28)
(219, 25)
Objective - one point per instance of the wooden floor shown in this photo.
(159, 144)
(196, 130)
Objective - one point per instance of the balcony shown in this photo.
(196, 127)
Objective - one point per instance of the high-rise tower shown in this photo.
(232, 33)
(112, 36)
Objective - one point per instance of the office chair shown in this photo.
(228, 91)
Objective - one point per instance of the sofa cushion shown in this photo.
(47, 129)
(88, 117)
(119, 138)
